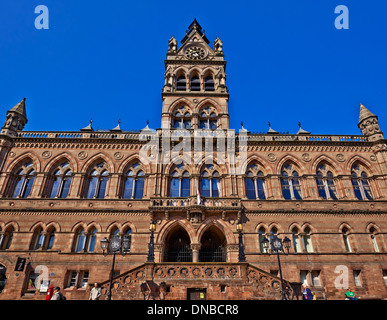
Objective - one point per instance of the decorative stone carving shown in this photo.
(340, 157)
(306, 157)
(118, 155)
(82, 155)
(46, 154)
(272, 157)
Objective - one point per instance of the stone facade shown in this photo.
(63, 192)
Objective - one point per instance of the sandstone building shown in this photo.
(198, 181)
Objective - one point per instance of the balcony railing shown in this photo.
(192, 201)
(101, 134)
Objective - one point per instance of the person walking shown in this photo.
(58, 295)
(306, 293)
(95, 293)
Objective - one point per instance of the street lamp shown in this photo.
(241, 255)
(113, 246)
(151, 251)
(277, 245)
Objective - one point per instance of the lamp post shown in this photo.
(151, 251)
(113, 246)
(241, 256)
(277, 245)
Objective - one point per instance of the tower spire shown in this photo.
(16, 119)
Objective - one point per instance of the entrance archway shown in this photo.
(213, 246)
(178, 246)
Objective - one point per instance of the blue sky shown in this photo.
(105, 60)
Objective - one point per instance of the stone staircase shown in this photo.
(220, 281)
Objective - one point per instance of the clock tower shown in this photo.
(195, 95)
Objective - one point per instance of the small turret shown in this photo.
(369, 124)
(16, 119)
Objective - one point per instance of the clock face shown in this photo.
(195, 53)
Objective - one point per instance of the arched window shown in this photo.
(50, 239)
(325, 184)
(98, 180)
(261, 236)
(209, 84)
(296, 240)
(360, 183)
(210, 182)
(61, 181)
(180, 183)
(195, 83)
(291, 188)
(181, 83)
(345, 235)
(91, 240)
(134, 182)
(181, 119)
(254, 182)
(23, 181)
(80, 240)
(38, 239)
(373, 239)
(128, 234)
(208, 118)
(307, 241)
(6, 238)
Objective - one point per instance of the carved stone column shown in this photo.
(195, 247)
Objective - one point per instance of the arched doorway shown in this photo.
(177, 246)
(3, 277)
(213, 246)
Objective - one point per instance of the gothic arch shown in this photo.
(208, 102)
(124, 165)
(345, 225)
(57, 160)
(10, 224)
(128, 225)
(95, 225)
(291, 159)
(52, 224)
(88, 165)
(36, 225)
(277, 226)
(262, 162)
(371, 225)
(306, 225)
(170, 225)
(168, 169)
(112, 226)
(333, 164)
(260, 226)
(295, 225)
(221, 225)
(372, 170)
(23, 158)
(79, 225)
(178, 102)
